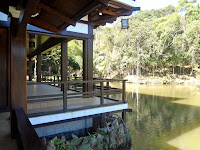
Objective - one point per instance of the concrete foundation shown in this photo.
(78, 127)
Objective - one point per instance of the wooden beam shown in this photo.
(56, 13)
(4, 6)
(43, 25)
(83, 22)
(85, 11)
(97, 17)
(120, 5)
(122, 12)
(102, 21)
(5, 24)
(65, 34)
(104, 2)
(25, 15)
(46, 45)
(19, 5)
(109, 12)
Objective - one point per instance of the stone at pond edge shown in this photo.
(100, 137)
(44, 141)
(63, 139)
(76, 141)
(112, 140)
(106, 139)
(115, 125)
(84, 147)
(121, 138)
(93, 141)
(55, 138)
(50, 146)
(85, 140)
(102, 130)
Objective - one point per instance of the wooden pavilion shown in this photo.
(60, 21)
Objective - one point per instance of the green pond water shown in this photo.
(164, 117)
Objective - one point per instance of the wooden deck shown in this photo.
(41, 105)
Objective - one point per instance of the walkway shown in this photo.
(6, 143)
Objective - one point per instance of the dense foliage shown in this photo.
(51, 60)
(162, 41)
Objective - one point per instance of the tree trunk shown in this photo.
(138, 62)
(153, 71)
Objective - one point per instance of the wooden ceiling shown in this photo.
(57, 15)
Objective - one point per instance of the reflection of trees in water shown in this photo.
(155, 120)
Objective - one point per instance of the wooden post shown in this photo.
(4, 69)
(85, 66)
(58, 79)
(102, 121)
(39, 64)
(124, 115)
(39, 61)
(64, 61)
(123, 90)
(54, 80)
(18, 67)
(102, 93)
(107, 87)
(65, 96)
(88, 61)
(75, 88)
(30, 69)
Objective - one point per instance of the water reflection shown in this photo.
(158, 120)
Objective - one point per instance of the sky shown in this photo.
(155, 4)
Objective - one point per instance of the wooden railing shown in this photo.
(25, 133)
(87, 89)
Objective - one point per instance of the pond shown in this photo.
(164, 117)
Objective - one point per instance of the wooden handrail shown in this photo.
(28, 136)
(91, 93)
(74, 82)
(101, 91)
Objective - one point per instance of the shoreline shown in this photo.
(169, 79)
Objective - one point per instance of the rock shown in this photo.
(74, 136)
(55, 138)
(115, 124)
(102, 130)
(112, 140)
(100, 137)
(63, 145)
(93, 141)
(44, 141)
(63, 139)
(50, 146)
(84, 147)
(121, 138)
(106, 139)
(85, 140)
(76, 141)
